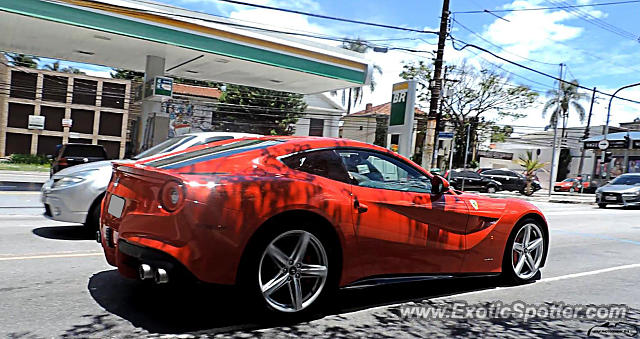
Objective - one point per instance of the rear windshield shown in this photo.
(87, 151)
(165, 146)
(210, 153)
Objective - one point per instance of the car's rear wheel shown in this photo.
(572, 190)
(602, 205)
(524, 252)
(291, 270)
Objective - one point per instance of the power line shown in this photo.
(547, 8)
(532, 69)
(498, 46)
(598, 22)
(330, 17)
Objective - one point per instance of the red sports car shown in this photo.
(293, 218)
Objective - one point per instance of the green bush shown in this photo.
(36, 159)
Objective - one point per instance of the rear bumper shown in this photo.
(131, 256)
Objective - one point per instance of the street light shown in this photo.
(606, 126)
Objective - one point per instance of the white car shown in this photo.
(74, 194)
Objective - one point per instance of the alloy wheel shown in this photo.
(293, 271)
(527, 251)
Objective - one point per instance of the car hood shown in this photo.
(619, 189)
(564, 184)
(97, 165)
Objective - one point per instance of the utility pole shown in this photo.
(436, 89)
(606, 126)
(466, 151)
(554, 165)
(586, 130)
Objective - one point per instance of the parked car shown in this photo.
(291, 219)
(510, 180)
(472, 181)
(623, 190)
(577, 184)
(68, 155)
(74, 194)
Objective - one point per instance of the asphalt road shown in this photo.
(55, 283)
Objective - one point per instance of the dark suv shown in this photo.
(472, 181)
(510, 180)
(68, 155)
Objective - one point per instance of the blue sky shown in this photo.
(539, 39)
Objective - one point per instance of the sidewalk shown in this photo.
(543, 196)
(24, 176)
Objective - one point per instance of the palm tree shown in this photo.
(355, 94)
(23, 60)
(53, 67)
(562, 100)
(530, 167)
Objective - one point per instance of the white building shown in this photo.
(321, 118)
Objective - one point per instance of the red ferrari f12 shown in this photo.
(291, 219)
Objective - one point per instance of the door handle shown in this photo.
(361, 208)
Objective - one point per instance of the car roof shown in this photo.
(218, 134)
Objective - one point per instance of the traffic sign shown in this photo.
(445, 135)
(603, 144)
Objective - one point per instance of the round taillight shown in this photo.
(171, 196)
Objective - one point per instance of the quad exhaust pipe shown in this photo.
(159, 275)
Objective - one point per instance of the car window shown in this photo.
(492, 172)
(626, 180)
(217, 138)
(470, 174)
(87, 151)
(324, 163)
(165, 146)
(376, 170)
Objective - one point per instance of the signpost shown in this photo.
(159, 87)
(36, 122)
(445, 135)
(603, 144)
(403, 102)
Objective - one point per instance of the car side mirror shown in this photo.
(439, 185)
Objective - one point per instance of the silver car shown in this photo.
(623, 190)
(75, 193)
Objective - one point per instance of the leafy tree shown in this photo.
(562, 100)
(500, 134)
(353, 96)
(530, 166)
(23, 60)
(119, 73)
(258, 110)
(473, 96)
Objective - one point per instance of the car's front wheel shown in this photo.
(602, 205)
(291, 271)
(524, 252)
(491, 189)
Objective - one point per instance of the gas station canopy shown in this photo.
(121, 33)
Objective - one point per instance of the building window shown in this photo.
(113, 95)
(84, 92)
(316, 127)
(110, 124)
(112, 148)
(82, 121)
(23, 85)
(17, 144)
(19, 115)
(54, 88)
(47, 144)
(52, 118)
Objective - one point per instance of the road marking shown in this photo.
(546, 280)
(19, 192)
(597, 236)
(50, 256)
(600, 212)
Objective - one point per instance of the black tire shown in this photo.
(509, 275)
(491, 189)
(249, 272)
(93, 217)
(602, 205)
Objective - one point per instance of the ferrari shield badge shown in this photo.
(474, 204)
